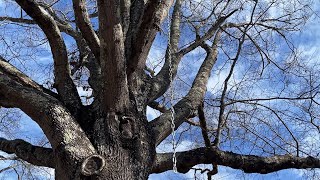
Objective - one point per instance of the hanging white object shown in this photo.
(171, 92)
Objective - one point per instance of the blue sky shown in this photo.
(307, 41)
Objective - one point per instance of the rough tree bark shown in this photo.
(111, 138)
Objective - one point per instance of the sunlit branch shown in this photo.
(189, 104)
(159, 83)
(85, 26)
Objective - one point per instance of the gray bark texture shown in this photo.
(112, 138)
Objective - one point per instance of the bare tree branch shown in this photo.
(189, 104)
(36, 155)
(109, 62)
(20, 77)
(203, 125)
(66, 28)
(221, 119)
(63, 81)
(299, 98)
(207, 35)
(160, 83)
(17, 20)
(7, 168)
(157, 106)
(55, 120)
(84, 24)
(206, 138)
(248, 163)
(154, 15)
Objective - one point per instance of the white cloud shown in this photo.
(155, 59)
(216, 79)
(2, 4)
(44, 173)
(152, 113)
(166, 146)
(84, 94)
(219, 75)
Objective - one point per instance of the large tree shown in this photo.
(109, 137)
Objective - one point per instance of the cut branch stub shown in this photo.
(92, 165)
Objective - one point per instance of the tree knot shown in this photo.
(127, 127)
(92, 165)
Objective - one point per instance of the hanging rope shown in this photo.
(171, 92)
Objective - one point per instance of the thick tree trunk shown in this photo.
(120, 165)
(125, 147)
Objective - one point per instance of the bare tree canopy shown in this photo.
(225, 76)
